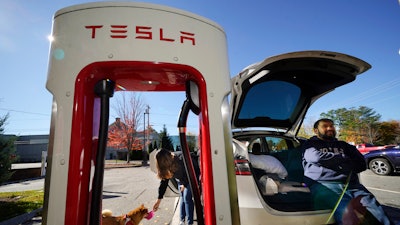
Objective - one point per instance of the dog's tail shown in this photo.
(106, 213)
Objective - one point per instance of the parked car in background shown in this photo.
(384, 161)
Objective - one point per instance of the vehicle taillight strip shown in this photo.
(242, 167)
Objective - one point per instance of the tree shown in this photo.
(166, 141)
(306, 129)
(389, 133)
(153, 146)
(359, 125)
(129, 110)
(7, 152)
(191, 142)
(370, 123)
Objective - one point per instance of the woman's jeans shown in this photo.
(356, 200)
(187, 205)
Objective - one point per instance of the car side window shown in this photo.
(276, 144)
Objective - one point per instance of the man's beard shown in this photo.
(327, 137)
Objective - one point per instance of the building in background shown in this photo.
(29, 148)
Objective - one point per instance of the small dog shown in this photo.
(131, 218)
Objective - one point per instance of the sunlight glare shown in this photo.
(50, 38)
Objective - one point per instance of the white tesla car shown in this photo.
(269, 101)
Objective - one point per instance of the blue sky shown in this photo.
(369, 30)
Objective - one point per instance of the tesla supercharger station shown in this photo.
(99, 48)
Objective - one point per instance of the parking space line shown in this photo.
(379, 189)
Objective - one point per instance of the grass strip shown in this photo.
(13, 204)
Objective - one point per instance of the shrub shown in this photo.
(7, 152)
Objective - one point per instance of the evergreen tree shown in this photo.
(166, 141)
(7, 152)
(152, 146)
(191, 142)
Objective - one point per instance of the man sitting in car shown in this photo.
(331, 170)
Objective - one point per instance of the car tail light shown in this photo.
(242, 167)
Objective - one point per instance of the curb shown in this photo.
(21, 218)
(121, 165)
(22, 180)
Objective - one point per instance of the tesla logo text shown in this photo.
(141, 32)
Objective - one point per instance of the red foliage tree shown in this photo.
(122, 134)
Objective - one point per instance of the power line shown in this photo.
(19, 111)
(371, 92)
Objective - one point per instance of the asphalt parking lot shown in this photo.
(125, 187)
(129, 186)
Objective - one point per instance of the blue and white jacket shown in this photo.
(331, 161)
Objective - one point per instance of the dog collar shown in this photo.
(128, 220)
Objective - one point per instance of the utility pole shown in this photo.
(145, 147)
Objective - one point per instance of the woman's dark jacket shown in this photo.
(180, 175)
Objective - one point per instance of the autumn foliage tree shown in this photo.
(123, 133)
(363, 125)
(389, 132)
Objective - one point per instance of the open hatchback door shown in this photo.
(277, 92)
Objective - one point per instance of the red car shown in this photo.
(365, 148)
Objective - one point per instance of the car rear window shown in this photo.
(275, 100)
